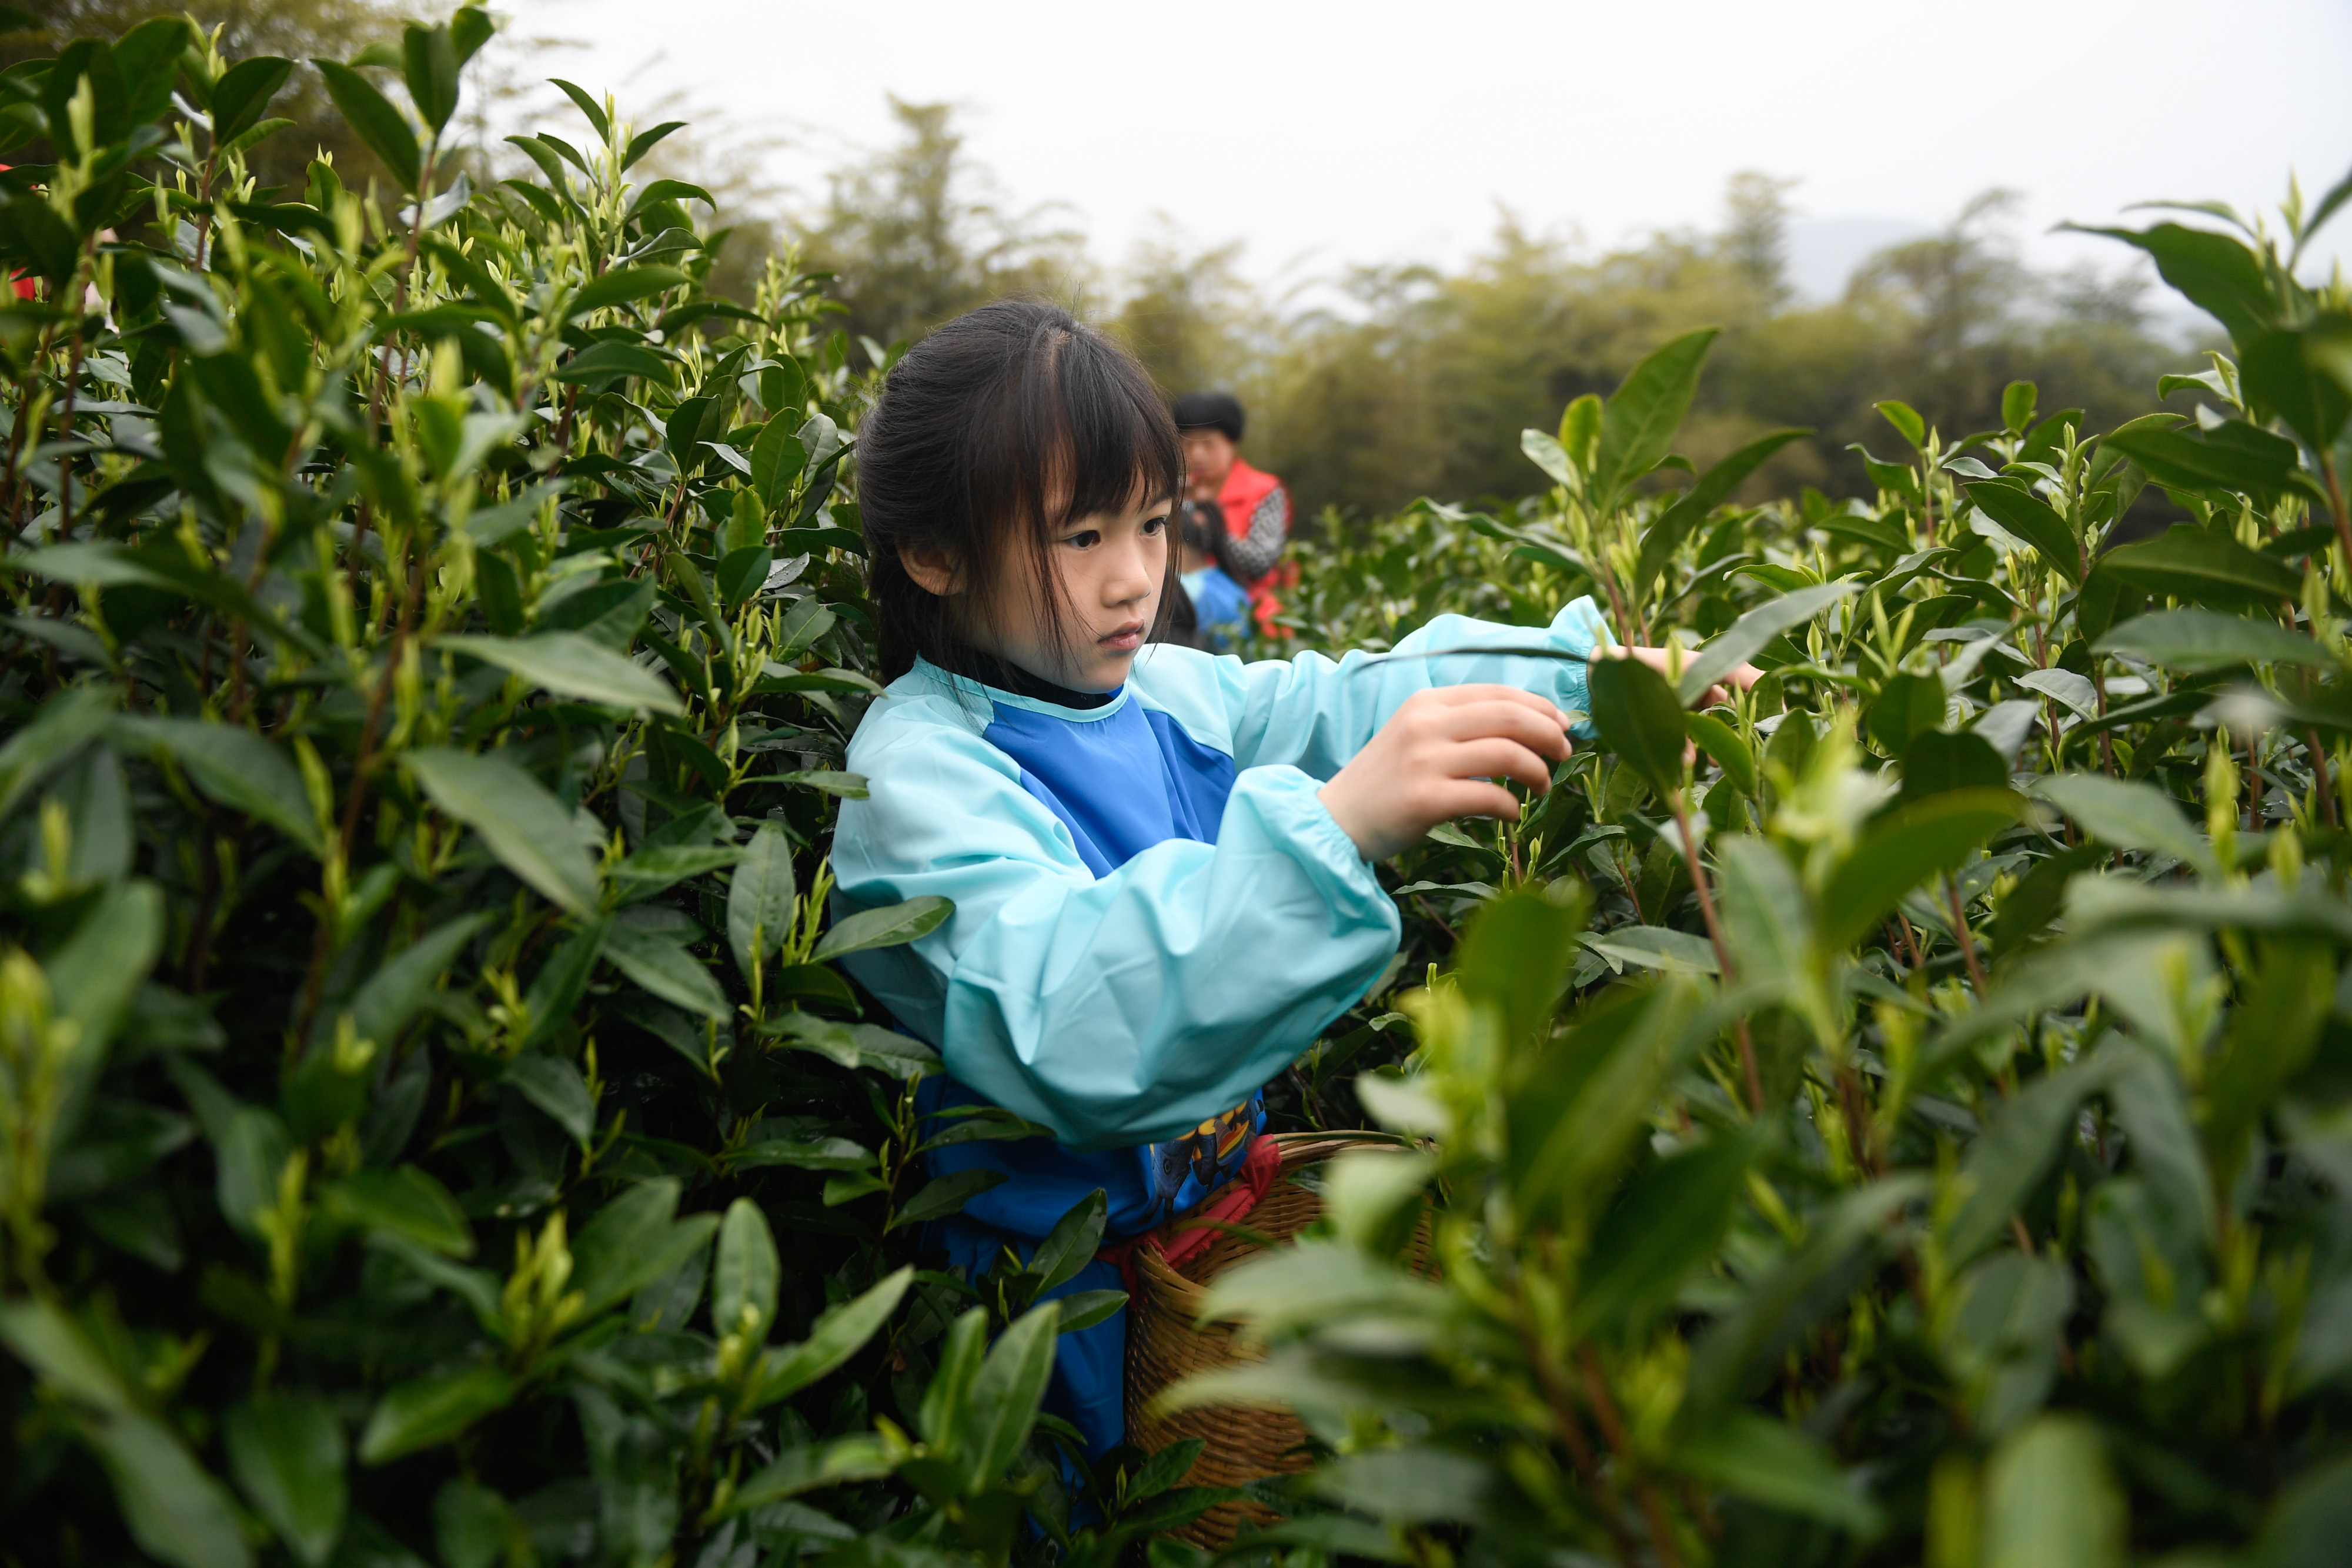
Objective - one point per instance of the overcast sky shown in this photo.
(1363, 131)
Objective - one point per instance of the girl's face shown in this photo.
(1110, 567)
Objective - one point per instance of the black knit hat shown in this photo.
(1212, 411)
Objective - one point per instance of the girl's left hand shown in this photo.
(1660, 659)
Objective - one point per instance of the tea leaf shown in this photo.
(174, 1510)
(430, 69)
(395, 993)
(523, 823)
(1639, 422)
(2050, 1498)
(243, 94)
(555, 1086)
(432, 1410)
(1667, 1225)
(633, 1241)
(2200, 640)
(624, 284)
(663, 965)
(383, 128)
(1911, 844)
(946, 1195)
(744, 1283)
(1754, 632)
(1071, 1245)
(890, 926)
(2009, 1161)
(2031, 518)
(839, 1334)
(405, 1202)
(286, 1452)
(2216, 273)
(234, 767)
(1005, 1393)
(1722, 743)
(1780, 1467)
(761, 899)
(2130, 815)
(1637, 716)
(571, 665)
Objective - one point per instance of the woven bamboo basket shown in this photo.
(1164, 1346)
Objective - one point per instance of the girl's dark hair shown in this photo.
(993, 432)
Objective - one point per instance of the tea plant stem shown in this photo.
(1553, 1380)
(1722, 949)
(200, 932)
(1905, 942)
(1617, 609)
(1604, 1410)
(1967, 941)
(73, 381)
(1857, 1120)
(15, 452)
(561, 445)
(1436, 919)
(1632, 895)
(2320, 785)
(323, 943)
(2107, 741)
(2335, 505)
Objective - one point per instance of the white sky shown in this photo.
(1363, 131)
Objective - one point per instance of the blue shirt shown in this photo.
(1221, 606)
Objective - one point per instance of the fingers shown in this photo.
(1486, 691)
(1494, 757)
(1743, 677)
(1543, 732)
(1473, 798)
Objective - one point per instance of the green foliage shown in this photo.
(1908, 1127)
(431, 1127)
(1944, 1164)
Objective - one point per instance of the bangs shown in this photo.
(1086, 435)
(1118, 454)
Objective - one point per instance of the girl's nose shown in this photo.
(1137, 575)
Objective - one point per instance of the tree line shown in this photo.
(1407, 379)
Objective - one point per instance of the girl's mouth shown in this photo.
(1125, 640)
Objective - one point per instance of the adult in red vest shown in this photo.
(1255, 505)
(22, 282)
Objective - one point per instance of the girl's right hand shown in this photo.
(1435, 759)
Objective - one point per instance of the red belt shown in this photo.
(1229, 1204)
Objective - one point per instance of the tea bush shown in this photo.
(430, 1122)
(1910, 1127)
(1898, 1115)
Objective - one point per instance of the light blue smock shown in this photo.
(1154, 915)
(1125, 1004)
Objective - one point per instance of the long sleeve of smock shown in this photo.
(1118, 1009)
(1315, 713)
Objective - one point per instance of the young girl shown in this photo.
(1160, 860)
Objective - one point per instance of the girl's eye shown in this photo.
(1085, 539)
(1155, 526)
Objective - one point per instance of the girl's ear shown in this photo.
(935, 570)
